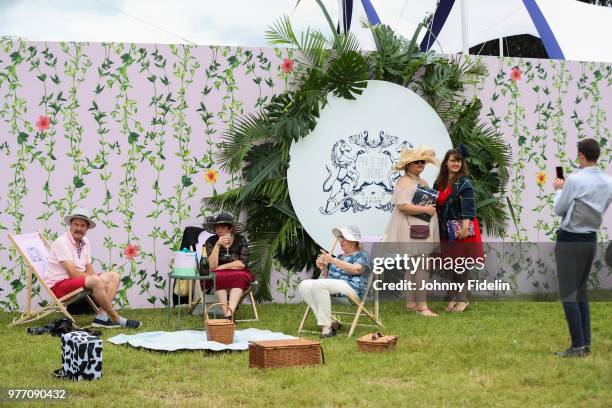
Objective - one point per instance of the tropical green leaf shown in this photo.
(246, 131)
(349, 74)
(312, 44)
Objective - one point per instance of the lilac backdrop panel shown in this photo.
(134, 129)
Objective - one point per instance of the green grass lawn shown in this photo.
(495, 354)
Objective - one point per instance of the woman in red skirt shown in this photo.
(228, 256)
(459, 230)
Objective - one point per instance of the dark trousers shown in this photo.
(574, 255)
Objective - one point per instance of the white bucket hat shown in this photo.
(350, 233)
(81, 213)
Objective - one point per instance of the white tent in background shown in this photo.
(569, 29)
(351, 14)
(403, 17)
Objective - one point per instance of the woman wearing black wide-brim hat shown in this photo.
(228, 256)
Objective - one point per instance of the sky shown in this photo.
(205, 22)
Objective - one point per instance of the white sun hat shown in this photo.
(81, 213)
(350, 233)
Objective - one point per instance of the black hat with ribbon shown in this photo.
(223, 218)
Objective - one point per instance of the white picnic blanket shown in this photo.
(194, 340)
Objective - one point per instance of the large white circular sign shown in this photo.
(341, 174)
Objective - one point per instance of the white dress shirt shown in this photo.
(583, 201)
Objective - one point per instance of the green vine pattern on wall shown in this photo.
(595, 77)
(13, 112)
(102, 134)
(75, 70)
(548, 95)
(131, 132)
(161, 106)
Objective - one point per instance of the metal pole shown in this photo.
(464, 27)
(501, 46)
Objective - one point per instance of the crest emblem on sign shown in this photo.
(360, 175)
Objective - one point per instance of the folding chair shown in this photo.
(34, 249)
(250, 293)
(355, 301)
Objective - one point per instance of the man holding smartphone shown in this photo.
(581, 201)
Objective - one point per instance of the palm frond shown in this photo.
(313, 47)
(271, 191)
(263, 249)
(258, 171)
(332, 26)
(412, 46)
(228, 200)
(238, 139)
(346, 42)
(470, 70)
(291, 117)
(281, 33)
(495, 219)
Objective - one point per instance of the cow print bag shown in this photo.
(81, 356)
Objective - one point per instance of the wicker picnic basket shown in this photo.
(285, 353)
(375, 342)
(219, 330)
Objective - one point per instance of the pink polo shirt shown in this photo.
(65, 249)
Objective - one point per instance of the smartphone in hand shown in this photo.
(560, 173)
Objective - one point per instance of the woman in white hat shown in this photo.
(341, 275)
(405, 227)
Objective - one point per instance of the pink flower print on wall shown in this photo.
(515, 73)
(43, 123)
(287, 65)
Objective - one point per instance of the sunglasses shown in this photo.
(419, 162)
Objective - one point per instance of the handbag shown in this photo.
(419, 231)
(185, 263)
(181, 288)
(454, 229)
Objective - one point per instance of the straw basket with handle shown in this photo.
(219, 330)
(376, 342)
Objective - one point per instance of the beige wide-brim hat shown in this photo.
(81, 213)
(350, 233)
(418, 153)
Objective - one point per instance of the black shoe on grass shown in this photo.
(133, 324)
(573, 352)
(105, 324)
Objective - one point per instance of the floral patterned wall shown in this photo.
(543, 108)
(126, 130)
(130, 132)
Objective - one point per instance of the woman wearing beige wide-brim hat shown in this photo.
(411, 234)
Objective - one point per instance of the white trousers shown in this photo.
(317, 294)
